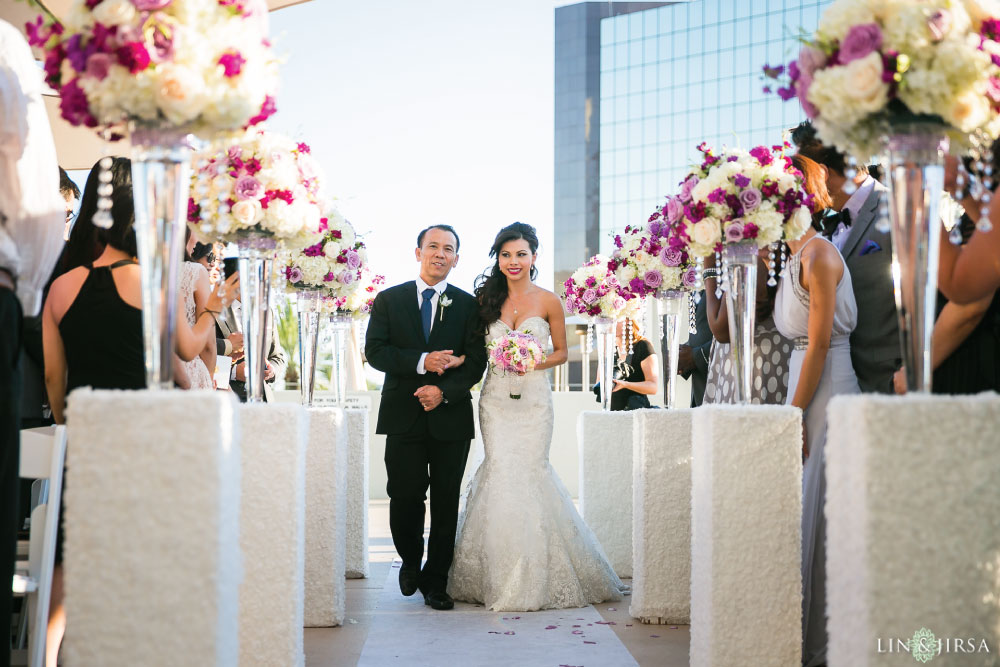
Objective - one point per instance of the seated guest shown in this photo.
(636, 371)
(875, 347)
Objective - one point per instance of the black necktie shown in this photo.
(425, 312)
(832, 221)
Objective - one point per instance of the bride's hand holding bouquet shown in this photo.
(515, 353)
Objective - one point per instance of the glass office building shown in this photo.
(674, 76)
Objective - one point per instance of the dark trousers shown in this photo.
(10, 453)
(415, 462)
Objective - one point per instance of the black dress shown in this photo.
(975, 365)
(631, 371)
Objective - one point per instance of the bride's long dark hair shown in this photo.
(491, 285)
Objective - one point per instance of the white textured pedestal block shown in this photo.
(326, 518)
(913, 527)
(746, 504)
(661, 516)
(272, 533)
(606, 482)
(152, 561)
(357, 493)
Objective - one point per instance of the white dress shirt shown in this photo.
(853, 205)
(438, 291)
(32, 212)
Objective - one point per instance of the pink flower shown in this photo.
(671, 257)
(810, 60)
(939, 23)
(295, 274)
(248, 187)
(353, 260)
(267, 110)
(690, 277)
(98, 65)
(653, 279)
(860, 41)
(150, 5)
(133, 56)
(232, 62)
(346, 278)
(674, 210)
(687, 186)
(734, 233)
(303, 147)
(589, 296)
(993, 90)
(74, 106)
(750, 198)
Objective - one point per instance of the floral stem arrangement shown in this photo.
(594, 291)
(654, 259)
(262, 184)
(515, 353)
(872, 64)
(358, 302)
(742, 197)
(333, 265)
(205, 65)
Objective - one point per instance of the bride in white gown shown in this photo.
(521, 544)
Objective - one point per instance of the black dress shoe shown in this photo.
(409, 580)
(439, 600)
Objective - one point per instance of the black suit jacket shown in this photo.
(394, 343)
(701, 351)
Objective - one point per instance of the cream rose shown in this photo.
(865, 85)
(180, 93)
(706, 232)
(247, 212)
(331, 249)
(115, 12)
(969, 111)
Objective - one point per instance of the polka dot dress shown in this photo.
(770, 373)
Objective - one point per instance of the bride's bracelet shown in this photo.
(710, 273)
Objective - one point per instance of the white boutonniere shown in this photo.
(443, 303)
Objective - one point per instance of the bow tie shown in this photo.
(833, 220)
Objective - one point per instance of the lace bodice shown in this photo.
(189, 280)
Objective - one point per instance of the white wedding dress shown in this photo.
(197, 371)
(521, 544)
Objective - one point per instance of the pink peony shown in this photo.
(687, 186)
(860, 41)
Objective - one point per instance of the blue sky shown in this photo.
(424, 113)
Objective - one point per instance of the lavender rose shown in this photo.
(750, 198)
(150, 5)
(295, 274)
(653, 279)
(589, 296)
(690, 277)
(248, 187)
(687, 186)
(353, 260)
(734, 233)
(675, 209)
(671, 257)
(860, 41)
(346, 278)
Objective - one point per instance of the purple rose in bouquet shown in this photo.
(248, 187)
(687, 186)
(860, 41)
(150, 5)
(653, 279)
(750, 198)
(671, 257)
(346, 278)
(674, 209)
(353, 260)
(734, 233)
(690, 277)
(619, 303)
(589, 296)
(295, 274)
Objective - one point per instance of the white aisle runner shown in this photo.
(407, 632)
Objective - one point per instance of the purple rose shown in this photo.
(939, 23)
(295, 274)
(750, 198)
(150, 5)
(690, 277)
(653, 279)
(248, 187)
(589, 296)
(734, 233)
(523, 351)
(671, 257)
(810, 60)
(674, 210)
(346, 278)
(687, 186)
(234, 152)
(163, 44)
(860, 41)
(98, 66)
(353, 260)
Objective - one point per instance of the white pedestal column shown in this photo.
(661, 516)
(913, 527)
(151, 557)
(746, 497)
(273, 533)
(326, 518)
(357, 493)
(606, 482)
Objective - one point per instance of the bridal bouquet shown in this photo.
(202, 64)
(873, 62)
(594, 291)
(264, 184)
(515, 353)
(655, 258)
(742, 196)
(333, 265)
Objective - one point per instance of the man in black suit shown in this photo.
(418, 334)
(875, 343)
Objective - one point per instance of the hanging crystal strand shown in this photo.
(102, 218)
(590, 338)
(850, 174)
(984, 225)
(771, 270)
(719, 279)
(629, 333)
(692, 313)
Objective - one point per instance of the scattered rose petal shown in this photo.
(628, 625)
(493, 632)
(510, 632)
(576, 626)
(578, 632)
(612, 608)
(551, 627)
(655, 636)
(587, 642)
(673, 627)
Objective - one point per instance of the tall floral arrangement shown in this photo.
(871, 63)
(263, 183)
(205, 65)
(742, 196)
(654, 258)
(333, 265)
(594, 291)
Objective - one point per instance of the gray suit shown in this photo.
(875, 346)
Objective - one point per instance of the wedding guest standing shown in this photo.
(693, 356)
(32, 217)
(815, 308)
(875, 346)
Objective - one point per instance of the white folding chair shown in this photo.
(43, 453)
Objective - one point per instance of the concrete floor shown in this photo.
(649, 645)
